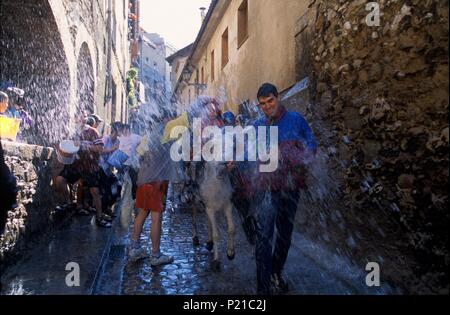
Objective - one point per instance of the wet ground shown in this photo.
(191, 272)
(105, 268)
(309, 268)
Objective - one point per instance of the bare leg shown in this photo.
(80, 196)
(62, 189)
(97, 201)
(138, 224)
(155, 233)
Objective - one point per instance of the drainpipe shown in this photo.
(108, 83)
(202, 14)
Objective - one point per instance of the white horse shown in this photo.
(216, 192)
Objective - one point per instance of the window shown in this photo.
(212, 66)
(242, 23)
(113, 101)
(121, 108)
(203, 75)
(93, 10)
(196, 82)
(114, 31)
(225, 48)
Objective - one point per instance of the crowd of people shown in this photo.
(12, 106)
(266, 200)
(93, 167)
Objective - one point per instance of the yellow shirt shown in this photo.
(181, 121)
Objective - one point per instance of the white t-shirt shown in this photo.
(128, 145)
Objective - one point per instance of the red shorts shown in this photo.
(151, 196)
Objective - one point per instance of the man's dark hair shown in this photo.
(90, 121)
(266, 89)
(98, 120)
(116, 126)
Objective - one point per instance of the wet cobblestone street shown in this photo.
(105, 269)
(191, 272)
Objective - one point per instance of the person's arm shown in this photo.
(94, 144)
(308, 139)
(26, 119)
(112, 149)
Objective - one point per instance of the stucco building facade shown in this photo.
(242, 44)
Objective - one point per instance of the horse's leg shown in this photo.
(231, 231)
(195, 240)
(210, 242)
(215, 236)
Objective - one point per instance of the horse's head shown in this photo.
(214, 170)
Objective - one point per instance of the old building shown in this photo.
(242, 44)
(153, 67)
(134, 26)
(153, 83)
(66, 55)
(375, 90)
(177, 61)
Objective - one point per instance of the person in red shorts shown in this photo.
(156, 171)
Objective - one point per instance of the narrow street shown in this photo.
(325, 122)
(105, 268)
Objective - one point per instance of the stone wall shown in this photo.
(378, 101)
(65, 55)
(34, 214)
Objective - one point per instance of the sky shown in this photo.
(177, 21)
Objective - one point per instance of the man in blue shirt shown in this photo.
(276, 194)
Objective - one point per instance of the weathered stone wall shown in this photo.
(378, 101)
(34, 214)
(65, 55)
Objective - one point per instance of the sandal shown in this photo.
(71, 206)
(60, 208)
(110, 213)
(65, 206)
(91, 209)
(102, 223)
(106, 217)
(83, 212)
